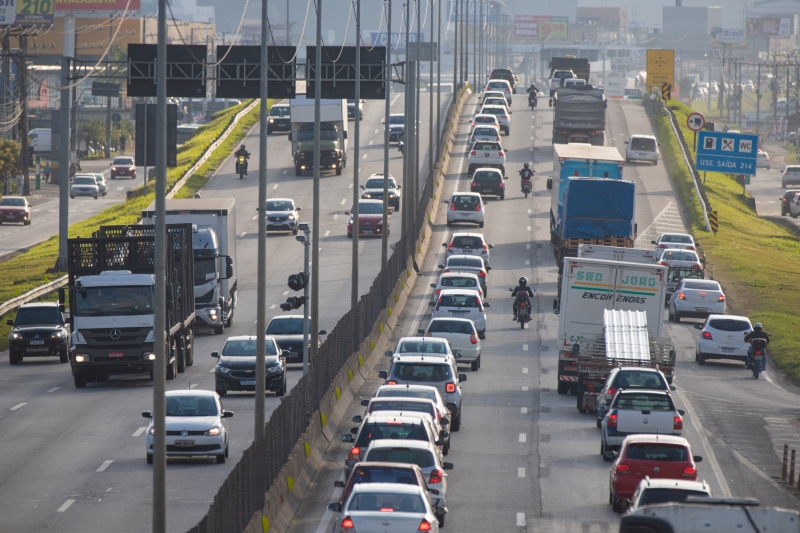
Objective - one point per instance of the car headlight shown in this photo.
(81, 358)
(16, 336)
(392, 195)
(213, 432)
(272, 120)
(223, 369)
(212, 314)
(366, 195)
(273, 369)
(152, 430)
(290, 217)
(57, 334)
(149, 356)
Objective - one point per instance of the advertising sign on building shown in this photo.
(26, 12)
(526, 26)
(554, 28)
(732, 36)
(398, 39)
(769, 26)
(97, 5)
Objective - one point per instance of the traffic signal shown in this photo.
(298, 282)
(293, 302)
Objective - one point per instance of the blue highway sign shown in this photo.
(731, 153)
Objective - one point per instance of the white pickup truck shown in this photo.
(487, 154)
(635, 412)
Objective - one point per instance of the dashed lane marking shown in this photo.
(192, 386)
(524, 369)
(370, 143)
(242, 234)
(285, 172)
(54, 389)
(106, 464)
(275, 186)
(524, 347)
(254, 217)
(365, 156)
(344, 200)
(520, 471)
(524, 389)
(65, 506)
(273, 306)
(527, 262)
(18, 406)
(138, 432)
(523, 437)
(523, 410)
(521, 519)
(327, 233)
(529, 228)
(285, 293)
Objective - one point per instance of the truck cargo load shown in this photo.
(333, 134)
(580, 115)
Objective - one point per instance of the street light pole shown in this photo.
(387, 112)
(357, 115)
(315, 229)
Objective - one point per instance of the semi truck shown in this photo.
(111, 279)
(333, 134)
(577, 160)
(590, 286)
(214, 250)
(579, 115)
(595, 211)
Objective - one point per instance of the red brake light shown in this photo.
(450, 388)
(424, 526)
(347, 525)
(354, 454)
(436, 476)
(623, 469)
(612, 419)
(472, 152)
(429, 334)
(474, 184)
(707, 336)
(700, 292)
(446, 271)
(452, 206)
(478, 206)
(662, 245)
(682, 296)
(698, 267)
(438, 291)
(722, 298)
(501, 154)
(450, 246)
(391, 382)
(690, 247)
(677, 422)
(473, 339)
(474, 123)
(689, 471)
(485, 247)
(482, 274)
(664, 264)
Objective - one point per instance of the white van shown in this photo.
(642, 148)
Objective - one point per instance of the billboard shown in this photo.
(769, 26)
(97, 5)
(526, 26)
(26, 12)
(732, 36)
(398, 39)
(535, 26)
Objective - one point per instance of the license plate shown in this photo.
(367, 232)
(116, 355)
(247, 382)
(36, 343)
(184, 443)
(702, 309)
(485, 155)
(487, 190)
(728, 350)
(458, 313)
(10, 216)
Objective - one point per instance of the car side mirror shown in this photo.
(488, 268)
(347, 212)
(388, 353)
(698, 326)
(357, 419)
(626, 142)
(399, 186)
(681, 412)
(487, 304)
(323, 332)
(361, 186)
(444, 244)
(383, 374)
(505, 178)
(365, 403)
(215, 354)
(147, 414)
(298, 208)
(462, 378)
(447, 466)
(336, 507)
(433, 285)
(10, 322)
(440, 266)
(227, 414)
(338, 483)
(505, 150)
(347, 438)
(653, 242)
(697, 458)
(673, 388)
(555, 306)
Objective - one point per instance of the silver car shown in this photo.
(466, 207)
(462, 336)
(376, 506)
(456, 280)
(101, 184)
(468, 263)
(457, 303)
(282, 215)
(84, 185)
(695, 298)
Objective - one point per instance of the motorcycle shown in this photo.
(532, 100)
(241, 166)
(523, 313)
(401, 147)
(527, 184)
(759, 347)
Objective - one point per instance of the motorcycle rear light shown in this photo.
(424, 526)
(677, 422)
(391, 382)
(450, 388)
(473, 339)
(689, 471)
(707, 336)
(436, 476)
(681, 296)
(722, 298)
(612, 419)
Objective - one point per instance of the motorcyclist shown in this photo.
(242, 151)
(532, 90)
(526, 174)
(757, 333)
(522, 293)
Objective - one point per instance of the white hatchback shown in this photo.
(462, 336)
(673, 257)
(722, 337)
(641, 148)
(502, 116)
(483, 120)
(466, 207)
(762, 160)
(457, 280)
(696, 298)
(500, 85)
(488, 133)
(457, 303)
(674, 241)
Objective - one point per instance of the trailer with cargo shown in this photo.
(333, 134)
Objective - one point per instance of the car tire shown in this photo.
(294, 232)
(474, 365)
(149, 459)
(13, 359)
(479, 362)
(222, 392)
(79, 380)
(441, 520)
(482, 334)
(71, 196)
(218, 330)
(282, 390)
(349, 235)
(627, 159)
(599, 423)
(480, 224)
(603, 450)
(503, 196)
(338, 171)
(701, 359)
(63, 358)
(95, 197)
(676, 317)
(221, 459)
(456, 424)
(449, 224)
(615, 505)
(671, 317)
(563, 387)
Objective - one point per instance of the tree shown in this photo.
(9, 157)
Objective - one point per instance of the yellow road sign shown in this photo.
(666, 91)
(660, 68)
(713, 221)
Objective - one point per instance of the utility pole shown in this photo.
(438, 82)
(108, 98)
(758, 102)
(357, 115)
(307, 242)
(387, 112)
(63, 165)
(431, 149)
(407, 136)
(415, 177)
(788, 89)
(466, 42)
(315, 229)
(23, 98)
(5, 95)
(411, 149)
(475, 80)
(455, 47)
(261, 278)
(710, 55)
(721, 98)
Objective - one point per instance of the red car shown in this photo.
(656, 456)
(370, 218)
(123, 166)
(15, 209)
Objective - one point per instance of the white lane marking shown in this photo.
(119, 188)
(243, 234)
(524, 389)
(527, 262)
(394, 99)
(523, 410)
(351, 184)
(370, 143)
(376, 131)
(365, 156)
(523, 437)
(284, 172)
(138, 432)
(529, 228)
(530, 211)
(192, 386)
(65, 506)
(528, 246)
(273, 306)
(521, 519)
(275, 186)
(254, 217)
(213, 369)
(285, 293)
(335, 216)
(524, 347)
(343, 200)
(524, 369)
(105, 465)
(18, 406)
(327, 233)
(324, 524)
(520, 471)
(709, 451)
(54, 389)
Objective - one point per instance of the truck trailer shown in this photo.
(333, 134)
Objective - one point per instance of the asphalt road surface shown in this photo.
(57, 441)
(525, 459)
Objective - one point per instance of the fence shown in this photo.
(242, 493)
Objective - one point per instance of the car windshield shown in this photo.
(467, 242)
(422, 347)
(728, 324)
(377, 183)
(497, 85)
(458, 283)
(386, 502)
(400, 405)
(702, 285)
(391, 430)
(472, 262)
(657, 452)
(397, 119)
(495, 101)
(279, 205)
(643, 144)
(421, 372)
(27, 316)
(205, 270)
(123, 161)
(405, 392)
(458, 300)
(279, 111)
(652, 496)
(486, 146)
(793, 169)
(421, 458)
(451, 326)
(678, 273)
(247, 348)
(371, 208)
(15, 202)
(561, 74)
(494, 111)
(680, 256)
(644, 402)
(682, 239)
(635, 379)
(486, 131)
(465, 202)
(84, 181)
(127, 300)
(384, 474)
(486, 176)
(285, 326)
(186, 405)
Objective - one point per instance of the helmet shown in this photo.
(525, 165)
(523, 281)
(242, 147)
(757, 325)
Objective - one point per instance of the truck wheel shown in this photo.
(229, 322)
(180, 357)
(149, 459)
(338, 171)
(563, 387)
(80, 380)
(172, 369)
(218, 330)
(297, 171)
(189, 350)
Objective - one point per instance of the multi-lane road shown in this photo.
(74, 460)
(525, 459)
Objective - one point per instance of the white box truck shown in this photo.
(214, 250)
(333, 134)
(590, 286)
(617, 253)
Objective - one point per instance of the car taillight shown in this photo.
(347, 526)
(681, 296)
(354, 454)
(707, 336)
(690, 247)
(452, 206)
(438, 303)
(501, 154)
(438, 291)
(450, 388)
(478, 206)
(662, 245)
(482, 274)
(623, 469)
(698, 267)
(612, 419)
(473, 152)
(473, 124)
(502, 185)
(450, 247)
(473, 138)
(424, 526)
(436, 476)
(391, 382)
(446, 271)
(473, 339)
(503, 116)
(664, 264)
(677, 422)
(689, 471)
(473, 184)
(721, 297)
(485, 248)
(611, 392)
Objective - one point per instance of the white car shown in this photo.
(462, 336)
(722, 337)
(762, 160)
(373, 189)
(652, 491)
(493, 94)
(101, 184)
(501, 114)
(457, 280)
(422, 406)
(195, 425)
(639, 411)
(468, 244)
(485, 133)
(500, 85)
(466, 207)
(377, 506)
(422, 345)
(696, 298)
(483, 120)
(412, 391)
(572, 83)
(497, 101)
(675, 241)
(557, 79)
(794, 206)
(84, 185)
(468, 263)
(456, 303)
(791, 176)
(676, 257)
(488, 155)
(641, 148)
(282, 215)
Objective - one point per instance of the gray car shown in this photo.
(472, 264)
(84, 185)
(282, 215)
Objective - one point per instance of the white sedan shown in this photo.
(457, 303)
(722, 337)
(388, 507)
(462, 336)
(195, 425)
(696, 298)
(675, 241)
(673, 257)
(85, 185)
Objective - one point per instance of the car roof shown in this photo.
(39, 304)
(420, 338)
(387, 487)
(284, 317)
(467, 233)
(466, 193)
(436, 359)
(400, 443)
(369, 201)
(495, 128)
(379, 175)
(409, 386)
(684, 484)
(484, 115)
(654, 438)
(640, 391)
(402, 399)
(385, 464)
(728, 317)
(642, 136)
(638, 369)
(487, 169)
(454, 319)
(280, 200)
(458, 275)
(196, 392)
(678, 250)
(676, 234)
(458, 292)
(381, 416)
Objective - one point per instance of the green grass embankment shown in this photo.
(756, 261)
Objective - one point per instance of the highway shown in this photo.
(58, 441)
(525, 459)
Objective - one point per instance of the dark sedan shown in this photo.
(236, 369)
(39, 330)
(287, 330)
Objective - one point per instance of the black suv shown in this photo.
(39, 330)
(505, 74)
(488, 181)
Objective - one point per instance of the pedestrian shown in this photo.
(72, 171)
(20, 184)
(47, 170)
(122, 140)
(6, 186)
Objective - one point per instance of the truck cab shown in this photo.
(331, 155)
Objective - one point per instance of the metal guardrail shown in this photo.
(32, 294)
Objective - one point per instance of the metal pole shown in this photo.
(357, 115)
(415, 179)
(261, 296)
(758, 102)
(407, 136)
(23, 95)
(306, 306)
(413, 167)
(108, 98)
(63, 166)
(160, 256)
(431, 149)
(5, 96)
(455, 47)
(786, 115)
(466, 41)
(288, 41)
(387, 112)
(315, 229)
(710, 54)
(438, 81)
